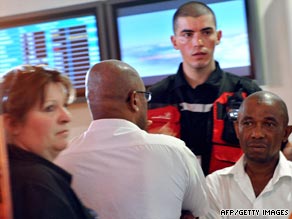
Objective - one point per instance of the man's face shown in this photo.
(261, 130)
(196, 38)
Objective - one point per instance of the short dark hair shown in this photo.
(192, 9)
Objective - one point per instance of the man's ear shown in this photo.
(287, 133)
(219, 35)
(174, 42)
(133, 102)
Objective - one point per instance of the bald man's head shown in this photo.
(109, 91)
(262, 127)
(111, 79)
(267, 98)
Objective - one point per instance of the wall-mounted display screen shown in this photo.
(70, 45)
(67, 39)
(144, 30)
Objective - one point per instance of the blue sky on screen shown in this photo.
(145, 39)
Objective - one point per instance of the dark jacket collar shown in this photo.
(17, 154)
(213, 80)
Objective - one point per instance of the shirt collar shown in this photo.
(283, 169)
(112, 123)
(213, 79)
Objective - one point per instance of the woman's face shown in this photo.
(45, 130)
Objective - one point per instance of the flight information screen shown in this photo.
(69, 45)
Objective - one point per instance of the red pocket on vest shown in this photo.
(165, 120)
(223, 156)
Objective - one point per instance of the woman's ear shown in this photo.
(10, 124)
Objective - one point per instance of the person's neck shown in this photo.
(197, 76)
(260, 173)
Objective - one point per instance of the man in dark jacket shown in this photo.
(197, 85)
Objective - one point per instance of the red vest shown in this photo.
(225, 148)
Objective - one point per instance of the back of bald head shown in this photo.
(267, 98)
(108, 85)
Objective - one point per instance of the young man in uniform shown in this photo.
(201, 91)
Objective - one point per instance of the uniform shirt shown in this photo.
(231, 188)
(123, 172)
(196, 104)
(40, 189)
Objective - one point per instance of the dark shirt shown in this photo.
(195, 105)
(40, 189)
